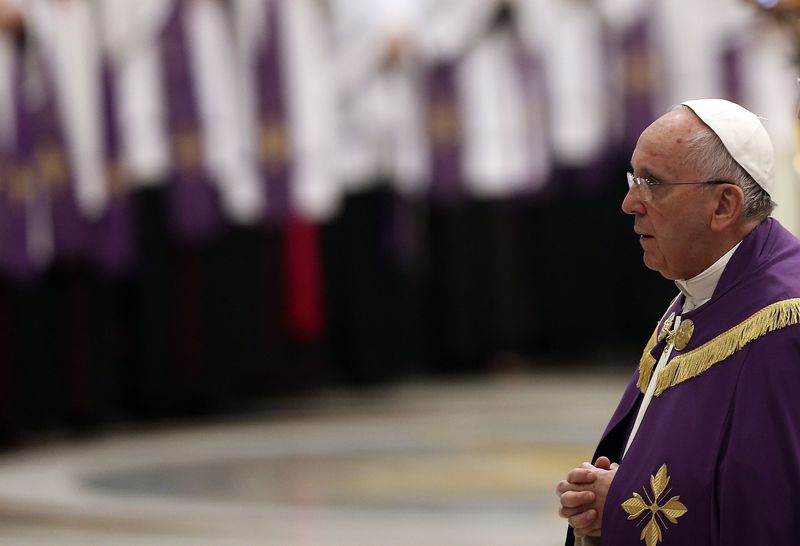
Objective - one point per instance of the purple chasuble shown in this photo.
(716, 460)
(273, 132)
(195, 208)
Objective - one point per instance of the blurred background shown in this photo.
(277, 223)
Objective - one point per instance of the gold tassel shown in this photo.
(697, 361)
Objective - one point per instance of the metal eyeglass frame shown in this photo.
(645, 185)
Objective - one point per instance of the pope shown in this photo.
(704, 446)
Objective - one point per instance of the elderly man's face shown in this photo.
(673, 227)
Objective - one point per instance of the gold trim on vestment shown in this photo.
(697, 361)
(647, 362)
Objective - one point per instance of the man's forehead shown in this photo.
(678, 123)
(667, 135)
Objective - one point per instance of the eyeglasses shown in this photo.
(645, 185)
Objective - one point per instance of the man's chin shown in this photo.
(658, 268)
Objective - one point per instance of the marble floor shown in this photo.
(426, 463)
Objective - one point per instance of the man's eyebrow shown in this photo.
(644, 172)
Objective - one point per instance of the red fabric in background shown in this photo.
(303, 277)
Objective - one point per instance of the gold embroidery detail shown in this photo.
(647, 362)
(681, 335)
(667, 328)
(52, 165)
(187, 147)
(443, 123)
(639, 75)
(697, 361)
(19, 185)
(116, 179)
(686, 366)
(671, 510)
(273, 142)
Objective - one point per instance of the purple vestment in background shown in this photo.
(115, 249)
(195, 208)
(445, 134)
(70, 226)
(639, 85)
(17, 180)
(38, 186)
(273, 130)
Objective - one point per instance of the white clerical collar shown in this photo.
(699, 289)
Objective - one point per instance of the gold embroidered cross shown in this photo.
(672, 509)
(679, 336)
(666, 329)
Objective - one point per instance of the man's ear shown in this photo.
(730, 207)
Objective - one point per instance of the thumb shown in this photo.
(603, 462)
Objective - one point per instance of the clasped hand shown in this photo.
(583, 495)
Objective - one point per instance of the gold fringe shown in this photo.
(647, 362)
(697, 361)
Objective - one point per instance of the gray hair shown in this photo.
(707, 151)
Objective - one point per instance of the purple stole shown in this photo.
(273, 146)
(193, 199)
(115, 241)
(533, 84)
(444, 134)
(732, 71)
(38, 178)
(600, 173)
(17, 178)
(639, 87)
(70, 227)
(445, 128)
(305, 313)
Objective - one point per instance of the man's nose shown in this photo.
(632, 204)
